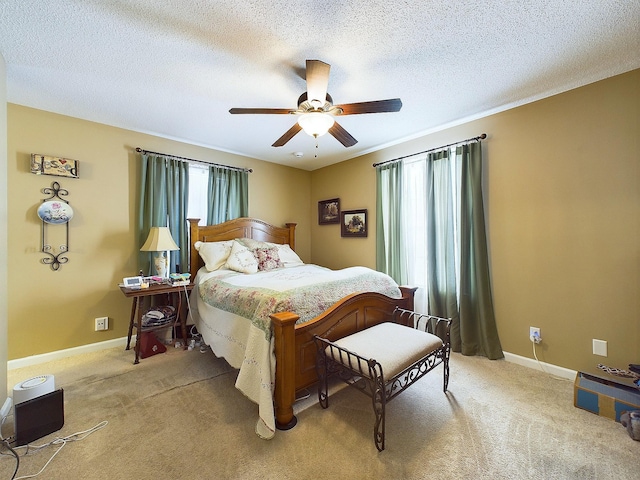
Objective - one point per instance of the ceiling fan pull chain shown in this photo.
(316, 155)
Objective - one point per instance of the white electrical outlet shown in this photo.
(102, 323)
(534, 335)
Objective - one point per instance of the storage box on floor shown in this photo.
(604, 397)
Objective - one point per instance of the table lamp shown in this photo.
(159, 241)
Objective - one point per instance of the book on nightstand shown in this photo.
(177, 279)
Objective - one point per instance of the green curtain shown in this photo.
(228, 194)
(177, 208)
(441, 242)
(163, 199)
(478, 331)
(458, 278)
(389, 234)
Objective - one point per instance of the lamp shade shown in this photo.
(316, 124)
(159, 240)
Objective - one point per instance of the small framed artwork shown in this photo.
(354, 223)
(329, 211)
(48, 165)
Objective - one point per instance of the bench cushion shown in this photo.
(392, 345)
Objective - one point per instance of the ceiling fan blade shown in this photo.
(317, 80)
(377, 106)
(277, 111)
(342, 135)
(289, 134)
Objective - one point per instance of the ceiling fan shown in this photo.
(317, 111)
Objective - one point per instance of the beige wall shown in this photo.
(562, 202)
(562, 189)
(54, 310)
(3, 229)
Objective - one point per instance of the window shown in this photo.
(198, 184)
(415, 220)
(442, 247)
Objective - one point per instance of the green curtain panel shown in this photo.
(442, 282)
(478, 331)
(389, 232)
(228, 194)
(163, 202)
(177, 209)
(451, 230)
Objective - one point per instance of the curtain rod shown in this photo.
(468, 140)
(140, 150)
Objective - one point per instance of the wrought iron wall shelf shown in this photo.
(55, 210)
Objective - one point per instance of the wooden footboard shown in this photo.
(295, 349)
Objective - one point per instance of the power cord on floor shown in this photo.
(5, 442)
(58, 441)
(536, 357)
(555, 377)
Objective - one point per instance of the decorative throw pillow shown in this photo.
(241, 259)
(214, 254)
(252, 244)
(268, 258)
(288, 257)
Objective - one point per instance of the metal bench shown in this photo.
(383, 360)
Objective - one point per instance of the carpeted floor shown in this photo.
(178, 415)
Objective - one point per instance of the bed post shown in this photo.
(193, 253)
(292, 235)
(285, 388)
(409, 293)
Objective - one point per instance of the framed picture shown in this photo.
(48, 165)
(354, 223)
(329, 211)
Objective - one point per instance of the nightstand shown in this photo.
(174, 297)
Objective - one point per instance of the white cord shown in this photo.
(186, 295)
(536, 357)
(4, 419)
(555, 377)
(59, 441)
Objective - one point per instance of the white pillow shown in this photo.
(288, 257)
(214, 254)
(252, 244)
(241, 259)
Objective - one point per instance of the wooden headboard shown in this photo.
(238, 228)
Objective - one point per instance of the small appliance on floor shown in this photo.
(38, 409)
(150, 345)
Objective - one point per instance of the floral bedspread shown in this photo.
(306, 290)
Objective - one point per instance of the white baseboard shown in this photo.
(69, 352)
(122, 342)
(541, 366)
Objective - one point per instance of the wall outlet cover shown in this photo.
(600, 347)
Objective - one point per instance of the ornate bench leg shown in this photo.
(378, 428)
(379, 400)
(321, 371)
(447, 354)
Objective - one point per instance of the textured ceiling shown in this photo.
(173, 68)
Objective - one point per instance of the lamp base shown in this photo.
(160, 264)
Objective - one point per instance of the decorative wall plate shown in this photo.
(55, 212)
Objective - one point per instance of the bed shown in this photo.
(291, 350)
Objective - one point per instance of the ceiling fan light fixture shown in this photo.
(316, 124)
